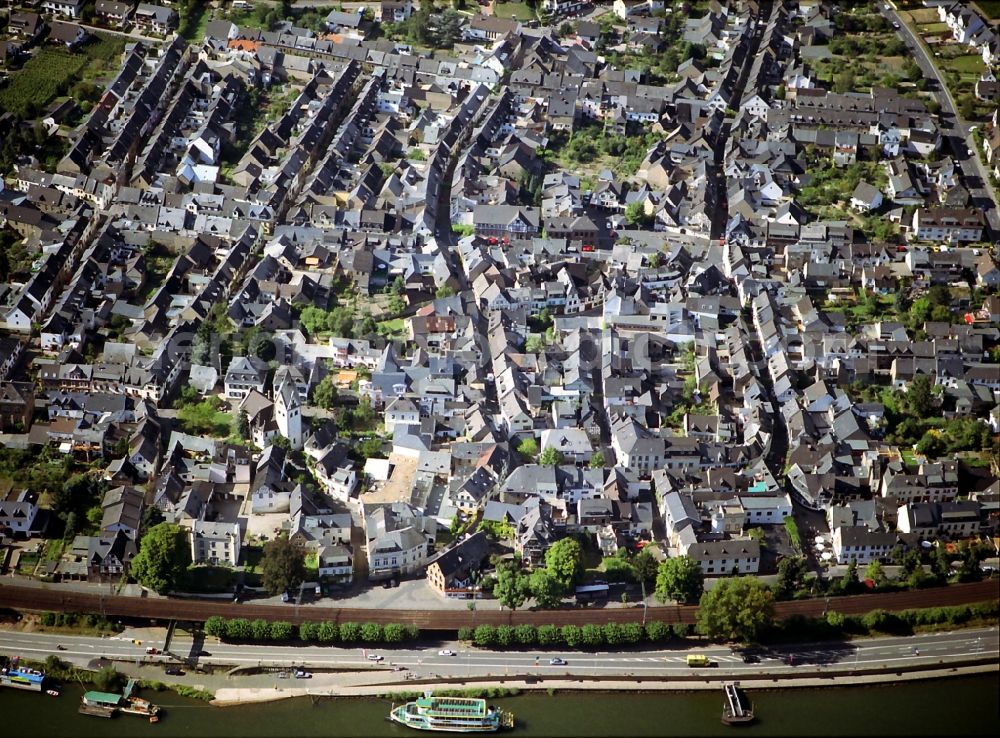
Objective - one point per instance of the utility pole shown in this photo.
(643, 583)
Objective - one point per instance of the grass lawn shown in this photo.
(989, 8)
(519, 10)
(393, 327)
(26, 563)
(932, 29)
(193, 25)
(965, 64)
(54, 548)
(923, 15)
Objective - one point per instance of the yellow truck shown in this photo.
(698, 659)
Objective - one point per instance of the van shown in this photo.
(698, 659)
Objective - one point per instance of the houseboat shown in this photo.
(106, 704)
(451, 715)
(736, 709)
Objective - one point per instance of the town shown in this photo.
(527, 303)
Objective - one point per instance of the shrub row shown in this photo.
(572, 636)
(241, 629)
(836, 624)
(73, 619)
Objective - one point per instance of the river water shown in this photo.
(951, 707)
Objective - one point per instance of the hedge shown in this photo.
(571, 636)
(241, 629)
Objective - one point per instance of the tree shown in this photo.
(325, 394)
(511, 588)
(309, 632)
(546, 589)
(645, 565)
(592, 635)
(327, 632)
(571, 635)
(281, 631)
(656, 631)
(548, 635)
(679, 578)
(485, 635)
(505, 635)
(260, 629)
(371, 632)
(564, 561)
(283, 566)
(239, 629)
(791, 575)
(550, 457)
(163, 558)
(350, 632)
(109, 680)
(444, 291)
(597, 460)
(528, 448)
(635, 213)
(526, 634)
(243, 425)
(739, 608)
(875, 573)
(919, 396)
(215, 626)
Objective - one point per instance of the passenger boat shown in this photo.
(20, 677)
(451, 715)
(105, 704)
(737, 709)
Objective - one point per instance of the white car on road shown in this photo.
(446, 652)
(374, 657)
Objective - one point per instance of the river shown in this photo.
(951, 707)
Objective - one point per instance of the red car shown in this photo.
(587, 247)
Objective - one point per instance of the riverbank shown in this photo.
(232, 696)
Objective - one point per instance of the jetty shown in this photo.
(736, 710)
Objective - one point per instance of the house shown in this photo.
(18, 513)
(947, 224)
(17, 406)
(100, 557)
(243, 375)
(456, 571)
(488, 28)
(930, 520)
(963, 20)
(866, 197)
(572, 444)
(216, 543)
(114, 13)
(399, 539)
(68, 8)
(69, 35)
(766, 509)
(861, 545)
(26, 26)
(722, 558)
(335, 564)
(508, 222)
(156, 18)
(122, 511)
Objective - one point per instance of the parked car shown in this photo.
(557, 662)
(285, 597)
(302, 674)
(374, 657)
(152, 651)
(173, 671)
(446, 652)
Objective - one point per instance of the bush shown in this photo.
(465, 633)
(215, 626)
(548, 635)
(393, 633)
(309, 632)
(592, 635)
(108, 680)
(505, 636)
(239, 629)
(631, 633)
(411, 632)
(48, 618)
(350, 632)
(526, 635)
(485, 635)
(327, 632)
(657, 631)
(260, 629)
(281, 631)
(681, 630)
(612, 633)
(371, 632)
(571, 636)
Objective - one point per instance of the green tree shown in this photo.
(646, 566)
(350, 632)
(550, 457)
(875, 573)
(526, 634)
(281, 631)
(260, 629)
(239, 629)
(243, 425)
(327, 632)
(108, 679)
(371, 632)
(635, 213)
(548, 635)
(656, 631)
(592, 635)
(282, 567)
(738, 608)
(679, 578)
(485, 635)
(325, 393)
(791, 575)
(505, 636)
(546, 589)
(215, 626)
(309, 632)
(528, 448)
(571, 635)
(564, 561)
(163, 558)
(597, 460)
(511, 588)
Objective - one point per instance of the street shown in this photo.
(953, 130)
(924, 650)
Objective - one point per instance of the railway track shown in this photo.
(33, 598)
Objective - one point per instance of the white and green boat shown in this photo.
(451, 715)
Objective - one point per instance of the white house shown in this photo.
(215, 543)
(858, 544)
(766, 509)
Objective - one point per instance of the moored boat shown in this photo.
(20, 677)
(451, 715)
(736, 709)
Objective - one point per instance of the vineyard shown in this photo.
(52, 71)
